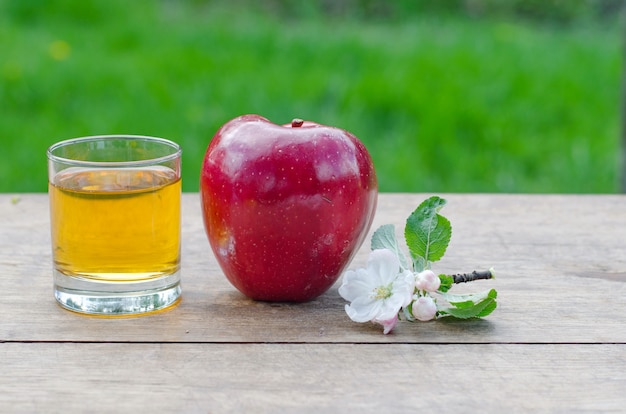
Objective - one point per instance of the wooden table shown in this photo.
(556, 343)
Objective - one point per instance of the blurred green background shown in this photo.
(449, 96)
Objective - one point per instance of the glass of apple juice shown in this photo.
(115, 223)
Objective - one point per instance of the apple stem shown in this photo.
(475, 275)
(296, 123)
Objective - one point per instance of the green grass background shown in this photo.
(446, 99)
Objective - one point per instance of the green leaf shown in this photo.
(385, 238)
(469, 297)
(427, 233)
(491, 306)
(446, 283)
(476, 305)
(407, 314)
(462, 305)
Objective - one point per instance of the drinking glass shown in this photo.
(115, 223)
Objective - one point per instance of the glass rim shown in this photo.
(150, 161)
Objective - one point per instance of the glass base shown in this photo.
(95, 297)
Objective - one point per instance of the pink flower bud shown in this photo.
(424, 308)
(388, 325)
(428, 281)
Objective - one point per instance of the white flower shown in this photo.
(378, 292)
(427, 280)
(424, 308)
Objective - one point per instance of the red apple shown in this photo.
(286, 207)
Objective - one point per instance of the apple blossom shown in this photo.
(424, 308)
(379, 291)
(388, 325)
(427, 280)
(384, 292)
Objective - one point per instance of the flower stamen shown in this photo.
(382, 292)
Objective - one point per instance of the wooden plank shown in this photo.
(70, 377)
(561, 263)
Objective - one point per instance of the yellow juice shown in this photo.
(116, 225)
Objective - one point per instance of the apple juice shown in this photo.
(118, 225)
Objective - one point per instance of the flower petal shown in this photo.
(363, 309)
(427, 280)
(389, 308)
(378, 292)
(389, 324)
(424, 308)
(403, 286)
(384, 264)
(355, 283)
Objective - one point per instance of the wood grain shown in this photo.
(69, 377)
(560, 262)
(556, 343)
